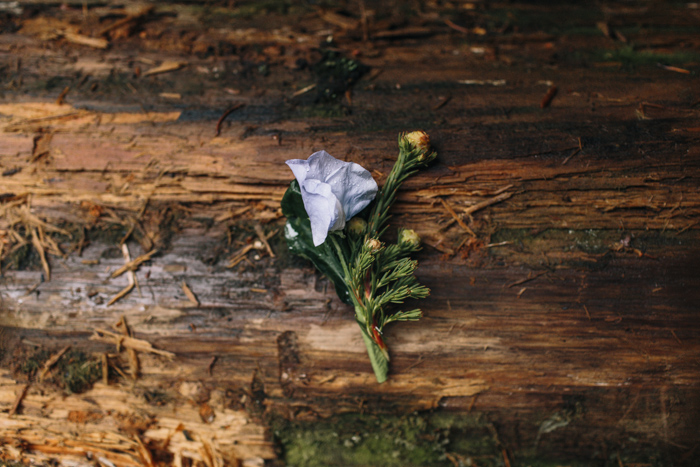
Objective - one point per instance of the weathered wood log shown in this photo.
(568, 325)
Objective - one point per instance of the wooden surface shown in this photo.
(571, 315)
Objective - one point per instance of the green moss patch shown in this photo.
(75, 372)
(630, 57)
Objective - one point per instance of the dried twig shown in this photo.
(134, 364)
(456, 27)
(576, 151)
(128, 342)
(52, 361)
(62, 96)
(529, 278)
(134, 264)
(126, 20)
(122, 293)
(239, 256)
(228, 112)
(442, 102)
(42, 253)
(263, 239)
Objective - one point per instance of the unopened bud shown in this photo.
(357, 226)
(419, 140)
(409, 236)
(373, 244)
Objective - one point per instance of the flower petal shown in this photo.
(359, 189)
(352, 184)
(300, 169)
(323, 208)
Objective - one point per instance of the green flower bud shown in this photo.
(409, 236)
(357, 226)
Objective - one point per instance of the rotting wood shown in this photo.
(528, 356)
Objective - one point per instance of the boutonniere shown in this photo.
(336, 216)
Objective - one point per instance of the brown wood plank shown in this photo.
(569, 322)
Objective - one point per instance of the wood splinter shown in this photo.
(190, 295)
(547, 99)
(454, 215)
(18, 401)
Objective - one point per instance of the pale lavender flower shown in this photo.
(333, 191)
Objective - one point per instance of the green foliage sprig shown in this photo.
(368, 273)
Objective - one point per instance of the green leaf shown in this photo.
(380, 364)
(292, 203)
(300, 241)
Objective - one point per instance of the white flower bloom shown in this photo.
(333, 191)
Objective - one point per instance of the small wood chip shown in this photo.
(304, 90)
(547, 99)
(94, 42)
(165, 67)
(674, 68)
(342, 21)
(190, 295)
(52, 361)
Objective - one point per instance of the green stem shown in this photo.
(380, 364)
(341, 257)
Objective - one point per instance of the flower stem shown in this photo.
(379, 360)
